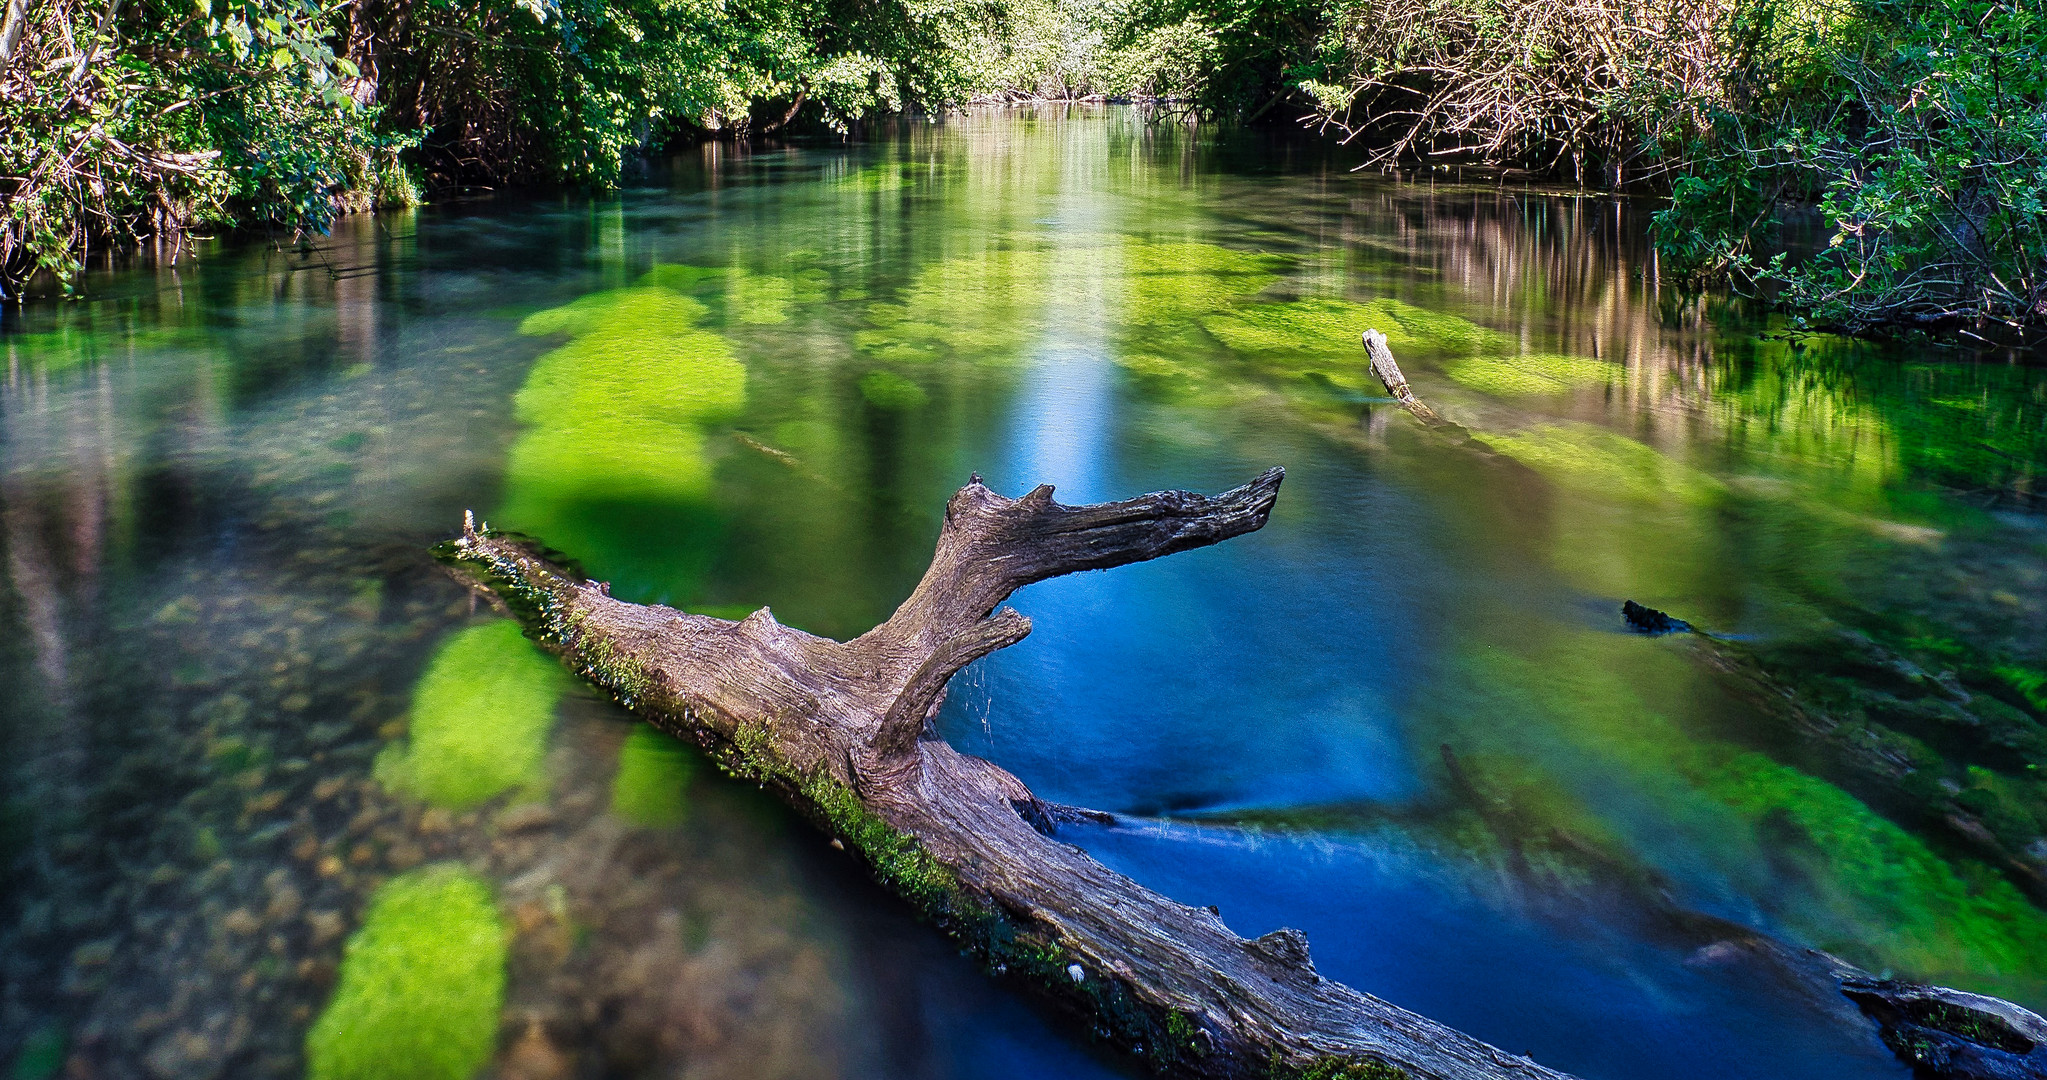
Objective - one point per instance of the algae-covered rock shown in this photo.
(480, 718)
(421, 984)
(654, 771)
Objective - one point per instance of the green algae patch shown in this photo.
(981, 308)
(890, 392)
(1592, 459)
(1316, 329)
(1523, 376)
(1913, 908)
(990, 306)
(759, 299)
(612, 467)
(421, 984)
(1844, 877)
(2028, 683)
(480, 719)
(654, 771)
(1167, 281)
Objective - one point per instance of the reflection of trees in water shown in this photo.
(1576, 276)
(58, 482)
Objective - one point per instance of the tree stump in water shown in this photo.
(842, 732)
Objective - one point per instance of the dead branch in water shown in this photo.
(841, 731)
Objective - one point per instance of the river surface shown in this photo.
(1405, 717)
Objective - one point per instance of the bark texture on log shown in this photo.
(841, 730)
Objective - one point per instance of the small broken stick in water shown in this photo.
(1389, 374)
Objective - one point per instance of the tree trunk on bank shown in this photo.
(841, 731)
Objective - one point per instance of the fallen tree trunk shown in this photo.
(841, 731)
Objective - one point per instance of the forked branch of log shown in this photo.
(841, 730)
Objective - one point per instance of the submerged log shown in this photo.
(842, 732)
(1839, 740)
(1953, 1034)
(1944, 1034)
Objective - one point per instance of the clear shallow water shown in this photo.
(757, 381)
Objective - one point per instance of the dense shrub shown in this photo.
(1919, 129)
(122, 123)
(138, 122)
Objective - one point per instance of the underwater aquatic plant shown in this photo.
(1322, 327)
(421, 984)
(1508, 376)
(611, 467)
(654, 771)
(480, 718)
(891, 392)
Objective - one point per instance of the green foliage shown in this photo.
(1227, 57)
(654, 771)
(480, 719)
(1920, 128)
(571, 89)
(150, 118)
(168, 117)
(421, 984)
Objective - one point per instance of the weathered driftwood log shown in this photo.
(841, 731)
(1952, 1034)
